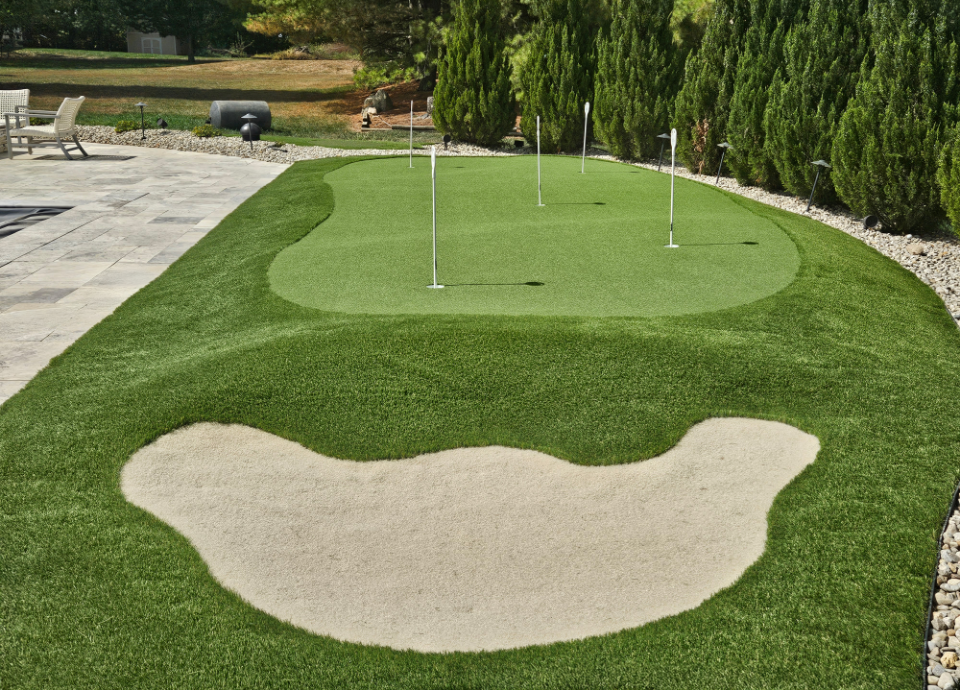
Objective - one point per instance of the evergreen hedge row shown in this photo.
(871, 86)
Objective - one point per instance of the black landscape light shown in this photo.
(725, 145)
(161, 123)
(143, 126)
(664, 139)
(821, 164)
(446, 140)
(251, 130)
(870, 222)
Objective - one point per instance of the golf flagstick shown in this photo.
(411, 134)
(539, 193)
(673, 172)
(586, 119)
(433, 175)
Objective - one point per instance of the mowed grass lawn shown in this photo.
(308, 98)
(854, 349)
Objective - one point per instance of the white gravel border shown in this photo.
(935, 258)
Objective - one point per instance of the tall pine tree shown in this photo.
(637, 78)
(762, 57)
(809, 95)
(886, 153)
(557, 77)
(703, 103)
(473, 99)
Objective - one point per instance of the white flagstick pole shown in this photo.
(411, 134)
(539, 194)
(673, 170)
(586, 118)
(433, 175)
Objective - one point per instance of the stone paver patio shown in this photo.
(135, 211)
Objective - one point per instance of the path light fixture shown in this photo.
(725, 145)
(143, 126)
(446, 140)
(251, 130)
(586, 119)
(821, 164)
(161, 123)
(664, 138)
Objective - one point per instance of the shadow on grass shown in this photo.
(532, 283)
(136, 92)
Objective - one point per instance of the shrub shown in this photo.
(557, 77)
(126, 126)
(473, 100)
(637, 78)
(886, 154)
(762, 57)
(204, 131)
(948, 176)
(703, 104)
(375, 75)
(822, 60)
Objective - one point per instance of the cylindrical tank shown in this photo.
(227, 114)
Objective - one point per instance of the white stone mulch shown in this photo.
(943, 647)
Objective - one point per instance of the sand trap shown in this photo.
(474, 548)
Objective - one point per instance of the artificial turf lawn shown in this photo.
(96, 593)
(596, 248)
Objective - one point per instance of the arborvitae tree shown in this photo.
(948, 83)
(808, 97)
(703, 104)
(637, 78)
(885, 156)
(473, 100)
(762, 57)
(948, 176)
(557, 77)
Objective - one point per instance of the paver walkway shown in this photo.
(135, 211)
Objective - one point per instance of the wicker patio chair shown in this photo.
(14, 102)
(64, 126)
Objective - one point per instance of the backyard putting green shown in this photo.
(855, 350)
(596, 248)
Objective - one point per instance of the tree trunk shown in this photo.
(191, 57)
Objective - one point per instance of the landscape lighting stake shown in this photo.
(663, 143)
(725, 145)
(539, 194)
(143, 127)
(433, 174)
(821, 164)
(250, 129)
(586, 119)
(411, 134)
(673, 172)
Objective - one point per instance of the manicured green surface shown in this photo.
(596, 248)
(94, 593)
(340, 143)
